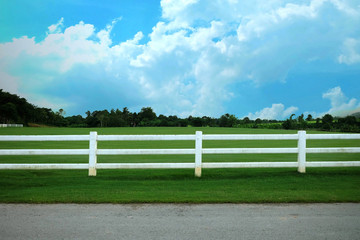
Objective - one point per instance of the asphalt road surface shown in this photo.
(180, 221)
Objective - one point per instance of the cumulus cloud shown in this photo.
(75, 68)
(194, 54)
(276, 111)
(340, 104)
(351, 51)
(283, 13)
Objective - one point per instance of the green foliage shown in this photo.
(227, 120)
(326, 123)
(14, 109)
(309, 118)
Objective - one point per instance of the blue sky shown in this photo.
(253, 58)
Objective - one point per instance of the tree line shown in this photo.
(326, 123)
(14, 109)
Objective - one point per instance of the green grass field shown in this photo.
(178, 186)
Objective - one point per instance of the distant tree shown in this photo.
(327, 118)
(227, 120)
(289, 123)
(174, 121)
(183, 123)
(208, 121)
(164, 121)
(127, 117)
(91, 120)
(309, 118)
(350, 120)
(103, 117)
(116, 119)
(76, 121)
(246, 120)
(189, 120)
(134, 119)
(197, 122)
(302, 124)
(8, 113)
(14, 109)
(147, 116)
(327, 121)
(301, 118)
(61, 112)
(348, 124)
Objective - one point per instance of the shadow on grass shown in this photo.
(178, 174)
(223, 174)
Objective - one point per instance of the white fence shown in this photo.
(198, 151)
(11, 125)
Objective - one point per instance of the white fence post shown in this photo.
(92, 153)
(198, 153)
(302, 151)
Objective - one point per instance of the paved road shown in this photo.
(167, 221)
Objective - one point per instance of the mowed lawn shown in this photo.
(180, 185)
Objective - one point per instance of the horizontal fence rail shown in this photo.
(248, 150)
(198, 151)
(11, 125)
(144, 165)
(44, 152)
(145, 151)
(45, 138)
(250, 137)
(145, 137)
(37, 166)
(332, 136)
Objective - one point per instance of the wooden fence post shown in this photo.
(92, 153)
(302, 152)
(198, 153)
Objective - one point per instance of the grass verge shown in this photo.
(180, 186)
(177, 186)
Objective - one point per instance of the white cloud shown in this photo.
(53, 69)
(276, 111)
(340, 105)
(351, 48)
(336, 96)
(56, 28)
(308, 11)
(11, 50)
(195, 53)
(199, 13)
(256, 25)
(172, 9)
(8, 82)
(350, 7)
